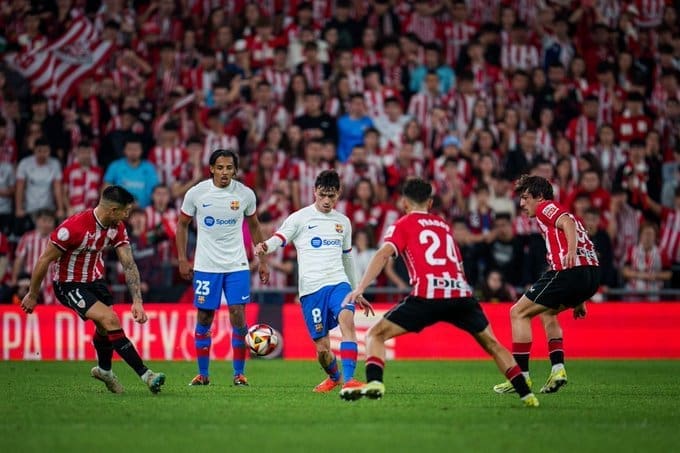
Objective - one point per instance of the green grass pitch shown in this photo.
(442, 406)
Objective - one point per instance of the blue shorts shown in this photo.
(209, 287)
(321, 309)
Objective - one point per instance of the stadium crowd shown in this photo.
(468, 94)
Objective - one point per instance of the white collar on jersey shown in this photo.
(229, 188)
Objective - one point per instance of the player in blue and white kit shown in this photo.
(219, 206)
(323, 239)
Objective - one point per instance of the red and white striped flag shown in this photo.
(56, 68)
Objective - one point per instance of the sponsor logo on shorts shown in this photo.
(200, 299)
(318, 327)
(550, 210)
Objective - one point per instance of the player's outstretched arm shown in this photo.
(375, 267)
(133, 281)
(51, 253)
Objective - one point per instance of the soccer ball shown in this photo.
(262, 339)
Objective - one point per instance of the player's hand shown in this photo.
(138, 313)
(185, 270)
(29, 302)
(263, 270)
(261, 249)
(580, 311)
(569, 260)
(352, 297)
(365, 305)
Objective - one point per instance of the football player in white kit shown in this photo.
(323, 239)
(220, 265)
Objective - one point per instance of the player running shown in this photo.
(440, 293)
(76, 246)
(323, 239)
(573, 278)
(220, 265)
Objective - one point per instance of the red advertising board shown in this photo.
(611, 330)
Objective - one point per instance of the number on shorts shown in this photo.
(202, 287)
(76, 298)
(316, 315)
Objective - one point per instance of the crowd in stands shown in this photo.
(468, 94)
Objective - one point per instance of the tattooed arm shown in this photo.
(133, 281)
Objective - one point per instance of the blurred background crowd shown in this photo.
(468, 94)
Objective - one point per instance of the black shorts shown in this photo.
(415, 313)
(81, 296)
(565, 288)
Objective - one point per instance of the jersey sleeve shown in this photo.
(396, 235)
(121, 237)
(250, 203)
(66, 236)
(547, 212)
(289, 229)
(347, 236)
(189, 203)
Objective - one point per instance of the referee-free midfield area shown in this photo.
(445, 406)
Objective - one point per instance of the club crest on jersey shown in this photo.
(339, 228)
(63, 234)
(550, 211)
(234, 205)
(111, 233)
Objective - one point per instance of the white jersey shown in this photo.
(219, 217)
(320, 240)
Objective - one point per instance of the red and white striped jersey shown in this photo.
(306, 173)
(420, 106)
(425, 27)
(670, 234)
(650, 12)
(167, 220)
(265, 116)
(82, 185)
(8, 151)
(455, 36)
(350, 174)
(375, 101)
(581, 132)
(547, 213)
(433, 260)
(261, 52)
(609, 12)
(31, 245)
(438, 174)
(362, 58)
(545, 145)
(167, 160)
(483, 11)
(278, 79)
(606, 99)
(641, 260)
(315, 74)
(214, 142)
(524, 225)
(82, 239)
(519, 56)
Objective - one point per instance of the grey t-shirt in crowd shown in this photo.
(7, 179)
(39, 192)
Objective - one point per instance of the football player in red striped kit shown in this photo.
(573, 278)
(440, 293)
(77, 245)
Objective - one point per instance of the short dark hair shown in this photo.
(536, 186)
(417, 190)
(118, 195)
(223, 153)
(41, 141)
(327, 179)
